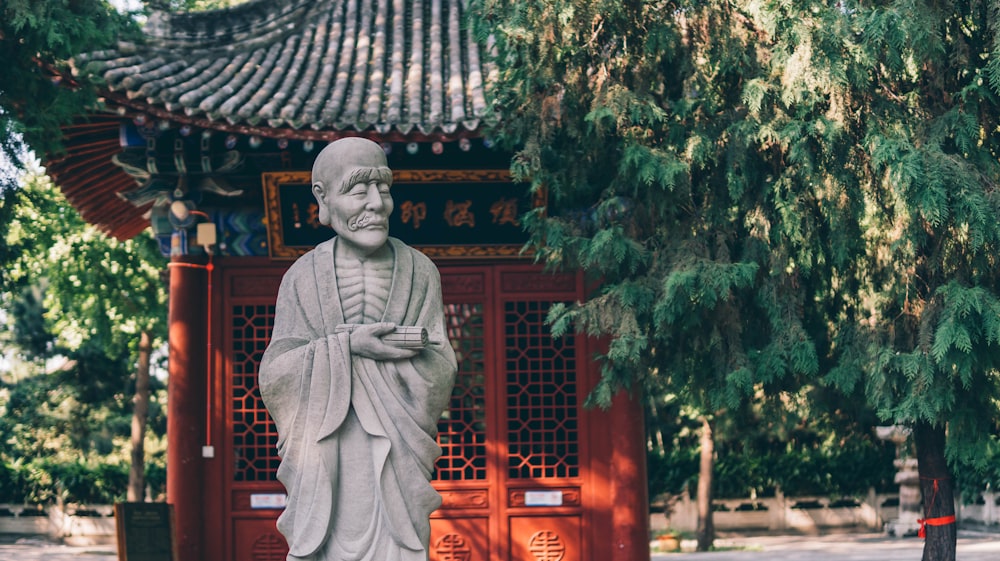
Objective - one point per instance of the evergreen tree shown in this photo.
(771, 193)
(927, 319)
(37, 40)
(674, 178)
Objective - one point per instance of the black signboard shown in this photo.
(145, 532)
(444, 213)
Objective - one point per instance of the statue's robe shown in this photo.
(323, 399)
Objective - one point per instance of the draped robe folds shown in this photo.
(310, 383)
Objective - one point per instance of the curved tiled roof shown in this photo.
(308, 70)
(314, 69)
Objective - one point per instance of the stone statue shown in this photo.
(357, 373)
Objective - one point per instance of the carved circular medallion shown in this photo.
(452, 547)
(268, 547)
(546, 545)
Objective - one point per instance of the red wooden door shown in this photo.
(515, 474)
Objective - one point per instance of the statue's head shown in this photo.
(351, 181)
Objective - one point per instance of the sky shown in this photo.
(126, 5)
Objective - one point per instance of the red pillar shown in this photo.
(186, 403)
(630, 504)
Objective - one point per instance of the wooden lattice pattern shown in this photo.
(541, 397)
(462, 429)
(542, 409)
(254, 434)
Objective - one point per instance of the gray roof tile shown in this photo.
(327, 65)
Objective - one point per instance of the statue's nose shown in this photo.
(373, 200)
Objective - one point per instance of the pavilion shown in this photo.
(208, 130)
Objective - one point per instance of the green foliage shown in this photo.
(103, 483)
(771, 195)
(930, 271)
(66, 398)
(37, 39)
(970, 480)
(664, 186)
(45, 481)
(831, 471)
(10, 485)
(672, 472)
(94, 288)
(813, 442)
(29, 330)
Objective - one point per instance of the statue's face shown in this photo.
(359, 212)
(351, 183)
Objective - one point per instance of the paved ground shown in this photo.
(972, 546)
(41, 549)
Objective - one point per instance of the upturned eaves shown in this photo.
(306, 69)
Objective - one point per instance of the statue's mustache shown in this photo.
(364, 220)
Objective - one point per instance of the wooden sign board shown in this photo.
(145, 532)
(443, 213)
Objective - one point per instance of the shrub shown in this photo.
(839, 471)
(46, 481)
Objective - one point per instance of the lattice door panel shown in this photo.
(516, 385)
(462, 429)
(542, 409)
(254, 435)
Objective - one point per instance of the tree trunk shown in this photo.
(140, 412)
(938, 493)
(706, 528)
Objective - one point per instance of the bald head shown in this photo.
(349, 161)
(351, 181)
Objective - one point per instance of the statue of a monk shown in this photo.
(356, 375)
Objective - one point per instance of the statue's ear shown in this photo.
(319, 191)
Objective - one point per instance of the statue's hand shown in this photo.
(367, 341)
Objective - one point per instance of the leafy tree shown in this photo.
(100, 305)
(37, 39)
(113, 311)
(37, 96)
(771, 194)
(665, 186)
(928, 315)
(812, 442)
